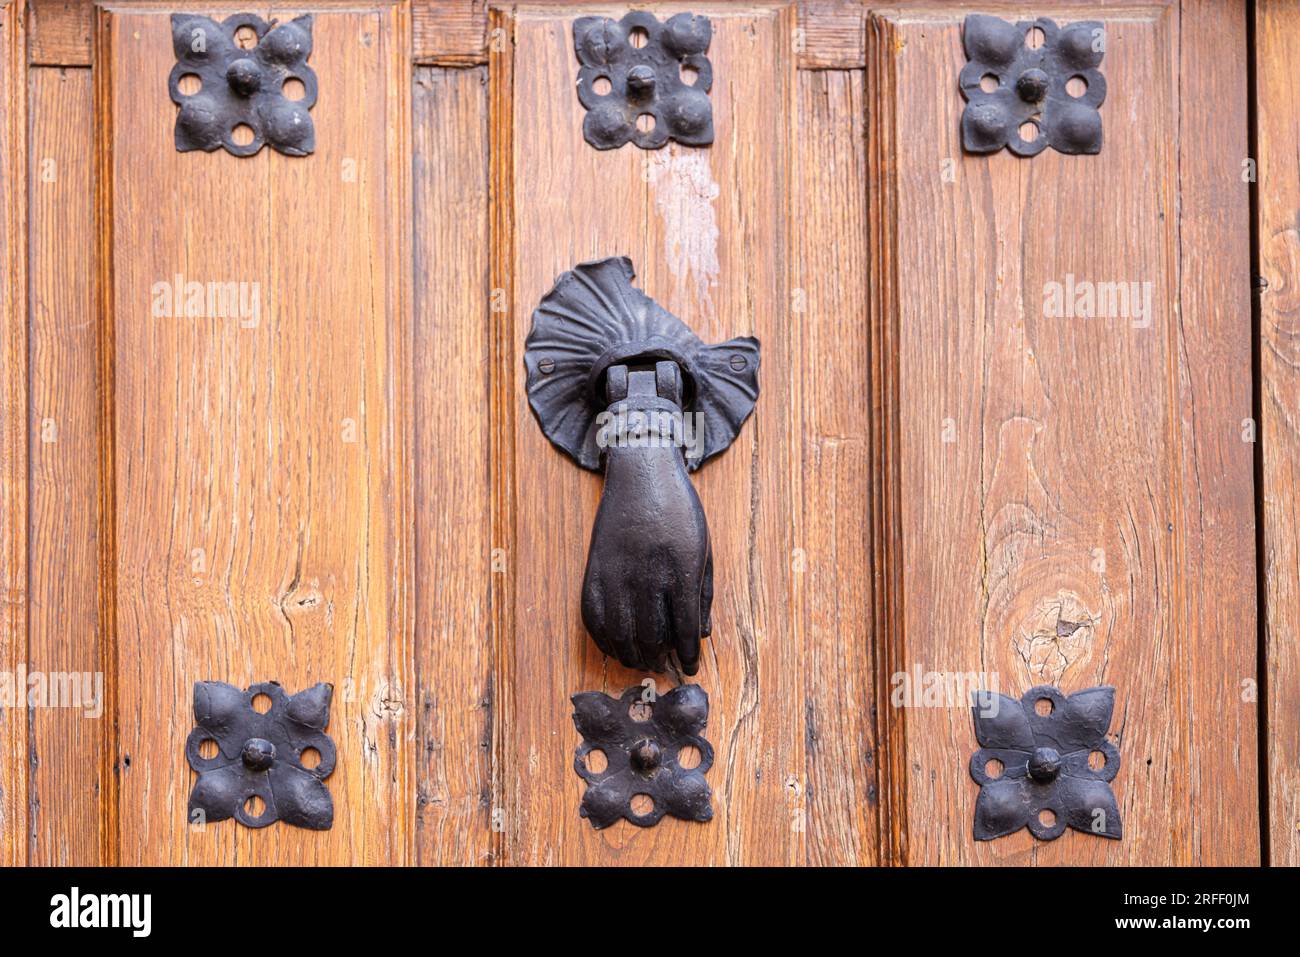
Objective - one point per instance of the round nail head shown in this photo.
(244, 76)
(1044, 764)
(1032, 86)
(258, 754)
(646, 755)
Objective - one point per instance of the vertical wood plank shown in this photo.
(262, 504)
(68, 744)
(1075, 500)
(455, 687)
(1210, 403)
(708, 231)
(1277, 35)
(831, 365)
(13, 432)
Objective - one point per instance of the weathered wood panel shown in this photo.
(1075, 501)
(60, 32)
(450, 32)
(708, 231)
(831, 34)
(1214, 651)
(1277, 34)
(13, 433)
(828, 313)
(263, 515)
(71, 738)
(455, 664)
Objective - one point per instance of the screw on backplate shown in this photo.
(546, 366)
(738, 363)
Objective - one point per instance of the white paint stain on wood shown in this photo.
(684, 194)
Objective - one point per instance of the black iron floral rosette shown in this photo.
(243, 87)
(644, 81)
(1032, 86)
(260, 755)
(643, 756)
(1047, 781)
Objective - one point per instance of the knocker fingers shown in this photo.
(652, 630)
(595, 617)
(706, 596)
(686, 623)
(622, 632)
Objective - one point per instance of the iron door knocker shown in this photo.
(625, 387)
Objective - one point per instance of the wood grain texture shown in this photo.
(68, 744)
(1209, 378)
(263, 513)
(831, 366)
(59, 32)
(455, 666)
(1277, 35)
(1075, 500)
(450, 32)
(832, 35)
(709, 232)
(13, 430)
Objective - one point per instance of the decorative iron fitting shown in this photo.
(625, 387)
(1009, 84)
(242, 87)
(259, 757)
(1045, 763)
(633, 80)
(643, 739)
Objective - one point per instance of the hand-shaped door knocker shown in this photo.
(624, 386)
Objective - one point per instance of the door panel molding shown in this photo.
(14, 821)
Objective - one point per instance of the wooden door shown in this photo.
(341, 480)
